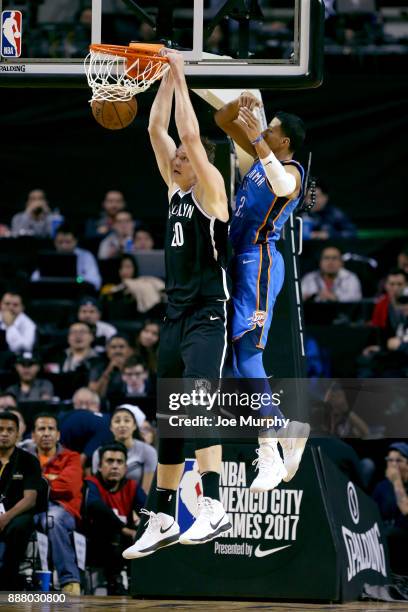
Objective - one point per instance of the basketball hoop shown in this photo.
(117, 73)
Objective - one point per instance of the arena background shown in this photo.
(355, 120)
(355, 123)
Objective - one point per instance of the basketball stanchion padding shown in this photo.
(316, 538)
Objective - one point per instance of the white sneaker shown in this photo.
(211, 521)
(293, 440)
(270, 466)
(161, 530)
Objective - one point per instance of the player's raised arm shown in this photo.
(163, 145)
(227, 119)
(210, 182)
(284, 180)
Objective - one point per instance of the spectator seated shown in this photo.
(392, 499)
(113, 203)
(402, 259)
(30, 410)
(135, 378)
(141, 460)
(8, 401)
(143, 240)
(331, 282)
(89, 311)
(19, 497)
(395, 284)
(110, 502)
(85, 399)
(19, 330)
(388, 358)
(30, 387)
(147, 342)
(116, 300)
(75, 262)
(325, 221)
(62, 468)
(36, 219)
(106, 376)
(84, 431)
(79, 354)
(120, 239)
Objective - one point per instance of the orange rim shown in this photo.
(133, 51)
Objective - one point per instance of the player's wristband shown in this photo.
(254, 142)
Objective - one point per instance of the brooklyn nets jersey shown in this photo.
(196, 255)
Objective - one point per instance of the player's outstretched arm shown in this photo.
(163, 145)
(210, 184)
(227, 119)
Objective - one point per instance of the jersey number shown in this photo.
(238, 212)
(178, 236)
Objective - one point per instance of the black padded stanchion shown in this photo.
(317, 537)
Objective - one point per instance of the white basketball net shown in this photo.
(109, 79)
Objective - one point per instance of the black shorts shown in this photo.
(195, 344)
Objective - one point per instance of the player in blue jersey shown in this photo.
(270, 191)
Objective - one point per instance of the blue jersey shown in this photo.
(259, 213)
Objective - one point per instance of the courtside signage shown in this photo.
(280, 545)
(11, 33)
(267, 522)
(364, 549)
(263, 524)
(362, 544)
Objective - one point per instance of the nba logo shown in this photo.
(11, 22)
(190, 489)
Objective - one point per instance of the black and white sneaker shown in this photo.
(211, 521)
(161, 531)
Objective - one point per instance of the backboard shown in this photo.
(226, 43)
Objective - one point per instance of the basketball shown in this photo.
(114, 115)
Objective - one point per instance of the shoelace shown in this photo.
(153, 521)
(261, 463)
(204, 507)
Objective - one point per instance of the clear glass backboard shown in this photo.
(227, 43)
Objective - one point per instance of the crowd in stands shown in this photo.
(78, 396)
(78, 374)
(62, 28)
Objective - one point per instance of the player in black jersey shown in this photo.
(193, 341)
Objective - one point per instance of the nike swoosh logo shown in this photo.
(216, 524)
(264, 553)
(214, 318)
(245, 261)
(164, 530)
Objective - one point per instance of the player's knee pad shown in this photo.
(171, 451)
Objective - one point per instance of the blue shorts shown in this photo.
(258, 275)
